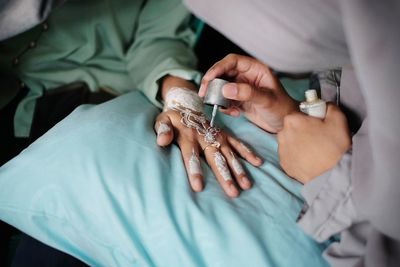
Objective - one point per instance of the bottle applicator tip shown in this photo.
(214, 113)
(214, 97)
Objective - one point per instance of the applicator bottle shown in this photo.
(313, 106)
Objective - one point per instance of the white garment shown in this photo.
(306, 35)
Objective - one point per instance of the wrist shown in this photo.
(169, 81)
(178, 98)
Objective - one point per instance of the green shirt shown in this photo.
(122, 45)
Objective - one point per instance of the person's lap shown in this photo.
(131, 203)
(19, 249)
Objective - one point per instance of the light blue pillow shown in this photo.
(98, 187)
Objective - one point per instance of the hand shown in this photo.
(308, 146)
(168, 126)
(256, 91)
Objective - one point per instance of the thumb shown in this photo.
(164, 130)
(245, 93)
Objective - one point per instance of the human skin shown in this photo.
(307, 146)
(192, 144)
(256, 92)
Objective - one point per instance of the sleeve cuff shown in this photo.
(171, 67)
(329, 207)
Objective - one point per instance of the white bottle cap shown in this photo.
(311, 95)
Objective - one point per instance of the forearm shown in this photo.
(163, 47)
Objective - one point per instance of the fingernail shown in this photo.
(245, 181)
(229, 90)
(259, 160)
(163, 128)
(202, 89)
(197, 184)
(200, 92)
(233, 190)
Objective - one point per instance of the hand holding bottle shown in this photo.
(309, 146)
(255, 91)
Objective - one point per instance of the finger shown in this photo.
(245, 92)
(236, 66)
(220, 168)
(163, 127)
(226, 66)
(232, 111)
(194, 171)
(244, 151)
(203, 88)
(191, 159)
(333, 111)
(237, 168)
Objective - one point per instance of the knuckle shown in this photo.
(247, 92)
(231, 56)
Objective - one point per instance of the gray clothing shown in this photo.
(360, 197)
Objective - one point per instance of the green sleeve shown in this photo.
(163, 45)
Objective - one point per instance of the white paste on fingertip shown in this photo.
(222, 166)
(194, 164)
(237, 167)
(163, 128)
